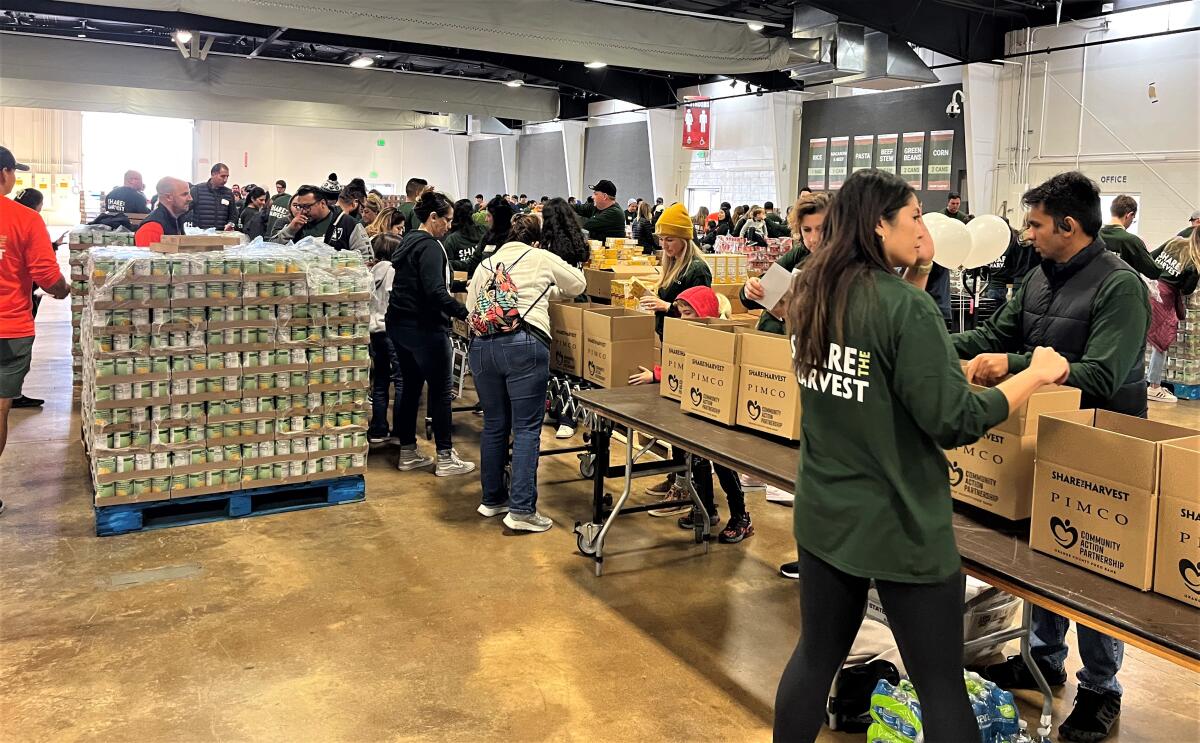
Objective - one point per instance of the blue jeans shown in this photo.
(511, 373)
(1101, 654)
(996, 291)
(423, 356)
(385, 372)
(1158, 364)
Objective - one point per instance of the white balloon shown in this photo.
(951, 241)
(990, 236)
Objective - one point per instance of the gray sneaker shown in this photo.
(411, 458)
(449, 465)
(527, 521)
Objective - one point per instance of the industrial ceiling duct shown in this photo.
(889, 63)
(822, 48)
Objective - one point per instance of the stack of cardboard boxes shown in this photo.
(724, 371)
(219, 370)
(601, 344)
(1110, 491)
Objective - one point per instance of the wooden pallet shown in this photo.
(200, 509)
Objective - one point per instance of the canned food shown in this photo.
(160, 484)
(121, 415)
(195, 291)
(248, 427)
(249, 474)
(142, 390)
(160, 292)
(195, 480)
(232, 475)
(344, 419)
(106, 465)
(232, 453)
(102, 417)
(106, 367)
(213, 291)
(140, 487)
(231, 430)
(214, 477)
(178, 482)
(277, 471)
(122, 488)
(161, 460)
(296, 467)
(264, 472)
(123, 391)
(195, 434)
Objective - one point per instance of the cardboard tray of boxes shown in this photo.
(215, 371)
(1100, 481)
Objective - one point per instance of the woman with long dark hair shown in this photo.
(561, 233)
(883, 396)
(499, 219)
(464, 235)
(253, 218)
(418, 323)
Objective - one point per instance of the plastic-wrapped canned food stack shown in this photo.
(216, 371)
(1183, 359)
(79, 241)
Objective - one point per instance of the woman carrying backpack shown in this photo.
(510, 361)
(418, 323)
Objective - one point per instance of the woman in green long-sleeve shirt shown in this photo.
(807, 222)
(883, 395)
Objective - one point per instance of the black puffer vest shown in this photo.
(1057, 312)
(159, 215)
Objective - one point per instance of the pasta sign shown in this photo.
(697, 125)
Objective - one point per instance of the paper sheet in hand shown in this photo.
(776, 282)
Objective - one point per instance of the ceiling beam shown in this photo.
(267, 42)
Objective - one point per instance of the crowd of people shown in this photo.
(872, 497)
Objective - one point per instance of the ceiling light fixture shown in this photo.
(362, 61)
(515, 83)
(183, 36)
(596, 65)
(754, 26)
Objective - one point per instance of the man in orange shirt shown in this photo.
(174, 200)
(26, 257)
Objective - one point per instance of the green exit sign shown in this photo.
(381, 142)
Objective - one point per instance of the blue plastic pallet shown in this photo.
(200, 509)
(1185, 391)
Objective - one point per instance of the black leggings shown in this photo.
(702, 480)
(926, 619)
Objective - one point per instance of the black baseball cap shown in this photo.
(605, 187)
(8, 162)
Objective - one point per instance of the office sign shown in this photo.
(937, 174)
(818, 149)
(885, 152)
(912, 158)
(839, 156)
(864, 152)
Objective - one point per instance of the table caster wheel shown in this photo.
(584, 546)
(607, 500)
(587, 466)
(585, 538)
(699, 533)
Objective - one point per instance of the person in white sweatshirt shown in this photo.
(510, 362)
(385, 371)
(755, 226)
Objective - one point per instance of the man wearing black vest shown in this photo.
(1091, 307)
(174, 200)
(213, 204)
(313, 218)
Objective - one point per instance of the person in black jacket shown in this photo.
(418, 319)
(213, 203)
(464, 236)
(253, 218)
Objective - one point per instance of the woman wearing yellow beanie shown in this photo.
(682, 266)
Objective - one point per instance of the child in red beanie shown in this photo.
(693, 303)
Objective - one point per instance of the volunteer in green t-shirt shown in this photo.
(1118, 239)
(883, 396)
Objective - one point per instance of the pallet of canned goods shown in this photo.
(79, 240)
(216, 371)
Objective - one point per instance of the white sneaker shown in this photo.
(775, 495)
(411, 458)
(527, 522)
(1160, 394)
(449, 464)
(490, 511)
(564, 432)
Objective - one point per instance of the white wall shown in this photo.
(50, 143)
(1153, 146)
(259, 153)
(745, 153)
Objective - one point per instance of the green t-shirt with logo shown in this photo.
(873, 489)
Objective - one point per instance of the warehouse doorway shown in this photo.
(155, 146)
(709, 198)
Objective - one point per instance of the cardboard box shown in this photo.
(616, 342)
(1095, 492)
(676, 336)
(566, 330)
(768, 394)
(710, 372)
(996, 472)
(599, 281)
(1177, 551)
(732, 293)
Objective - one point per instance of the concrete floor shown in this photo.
(403, 618)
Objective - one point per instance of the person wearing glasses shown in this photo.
(313, 218)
